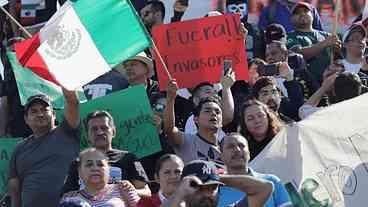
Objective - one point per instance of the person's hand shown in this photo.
(332, 41)
(285, 71)
(333, 69)
(188, 186)
(243, 30)
(180, 5)
(228, 79)
(157, 121)
(365, 64)
(327, 84)
(172, 88)
(125, 187)
(70, 96)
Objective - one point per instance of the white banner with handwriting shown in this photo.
(325, 155)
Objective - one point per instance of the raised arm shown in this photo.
(257, 190)
(176, 137)
(71, 110)
(184, 190)
(314, 50)
(227, 98)
(309, 106)
(326, 86)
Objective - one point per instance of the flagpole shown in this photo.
(161, 60)
(29, 35)
(334, 25)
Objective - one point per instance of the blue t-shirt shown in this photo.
(282, 15)
(278, 198)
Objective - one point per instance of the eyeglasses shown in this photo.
(267, 93)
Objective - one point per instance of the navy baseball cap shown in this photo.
(204, 170)
(37, 98)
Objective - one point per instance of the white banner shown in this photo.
(325, 155)
(3, 2)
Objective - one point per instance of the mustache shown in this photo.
(237, 156)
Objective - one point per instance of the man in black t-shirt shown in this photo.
(124, 165)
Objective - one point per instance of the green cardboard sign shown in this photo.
(7, 145)
(132, 115)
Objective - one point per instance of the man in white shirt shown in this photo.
(354, 47)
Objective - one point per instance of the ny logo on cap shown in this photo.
(206, 169)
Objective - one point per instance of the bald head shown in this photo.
(235, 153)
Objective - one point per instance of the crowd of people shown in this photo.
(207, 137)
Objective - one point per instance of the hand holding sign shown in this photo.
(243, 30)
(172, 88)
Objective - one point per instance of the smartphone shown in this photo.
(227, 66)
(268, 70)
(293, 61)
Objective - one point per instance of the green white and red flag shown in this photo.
(83, 40)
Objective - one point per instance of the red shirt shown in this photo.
(153, 201)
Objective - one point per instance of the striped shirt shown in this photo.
(110, 196)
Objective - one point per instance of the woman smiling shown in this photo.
(167, 173)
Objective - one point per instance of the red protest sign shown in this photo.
(194, 51)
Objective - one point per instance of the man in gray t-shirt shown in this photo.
(208, 118)
(39, 164)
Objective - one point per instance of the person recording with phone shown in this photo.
(289, 96)
(277, 52)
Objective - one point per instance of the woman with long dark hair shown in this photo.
(259, 125)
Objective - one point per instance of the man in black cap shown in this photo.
(200, 187)
(39, 164)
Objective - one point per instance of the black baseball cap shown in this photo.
(37, 99)
(204, 170)
(274, 32)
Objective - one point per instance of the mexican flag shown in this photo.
(83, 40)
(30, 84)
